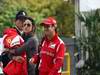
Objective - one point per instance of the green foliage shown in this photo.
(91, 42)
(39, 9)
(64, 14)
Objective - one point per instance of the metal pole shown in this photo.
(77, 27)
(77, 22)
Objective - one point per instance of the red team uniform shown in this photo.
(51, 56)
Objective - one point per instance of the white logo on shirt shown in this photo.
(52, 46)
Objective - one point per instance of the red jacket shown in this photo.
(51, 56)
(16, 68)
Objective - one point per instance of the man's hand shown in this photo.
(31, 61)
(12, 51)
(18, 58)
(1, 64)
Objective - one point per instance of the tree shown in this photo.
(91, 42)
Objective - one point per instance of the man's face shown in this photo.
(19, 24)
(48, 30)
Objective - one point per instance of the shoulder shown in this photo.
(33, 40)
(60, 40)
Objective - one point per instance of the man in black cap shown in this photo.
(19, 19)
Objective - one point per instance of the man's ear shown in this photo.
(55, 25)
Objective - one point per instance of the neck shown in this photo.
(51, 36)
(18, 28)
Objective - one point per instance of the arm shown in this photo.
(35, 59)
(58, 60)
(31, 43)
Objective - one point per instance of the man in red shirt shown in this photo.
(52, 50)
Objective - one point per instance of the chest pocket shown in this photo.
(49, 50)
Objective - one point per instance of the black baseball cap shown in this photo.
(21, 13)
(21, 17)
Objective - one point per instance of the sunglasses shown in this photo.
(27, 24)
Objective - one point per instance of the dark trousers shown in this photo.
(31, 69)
